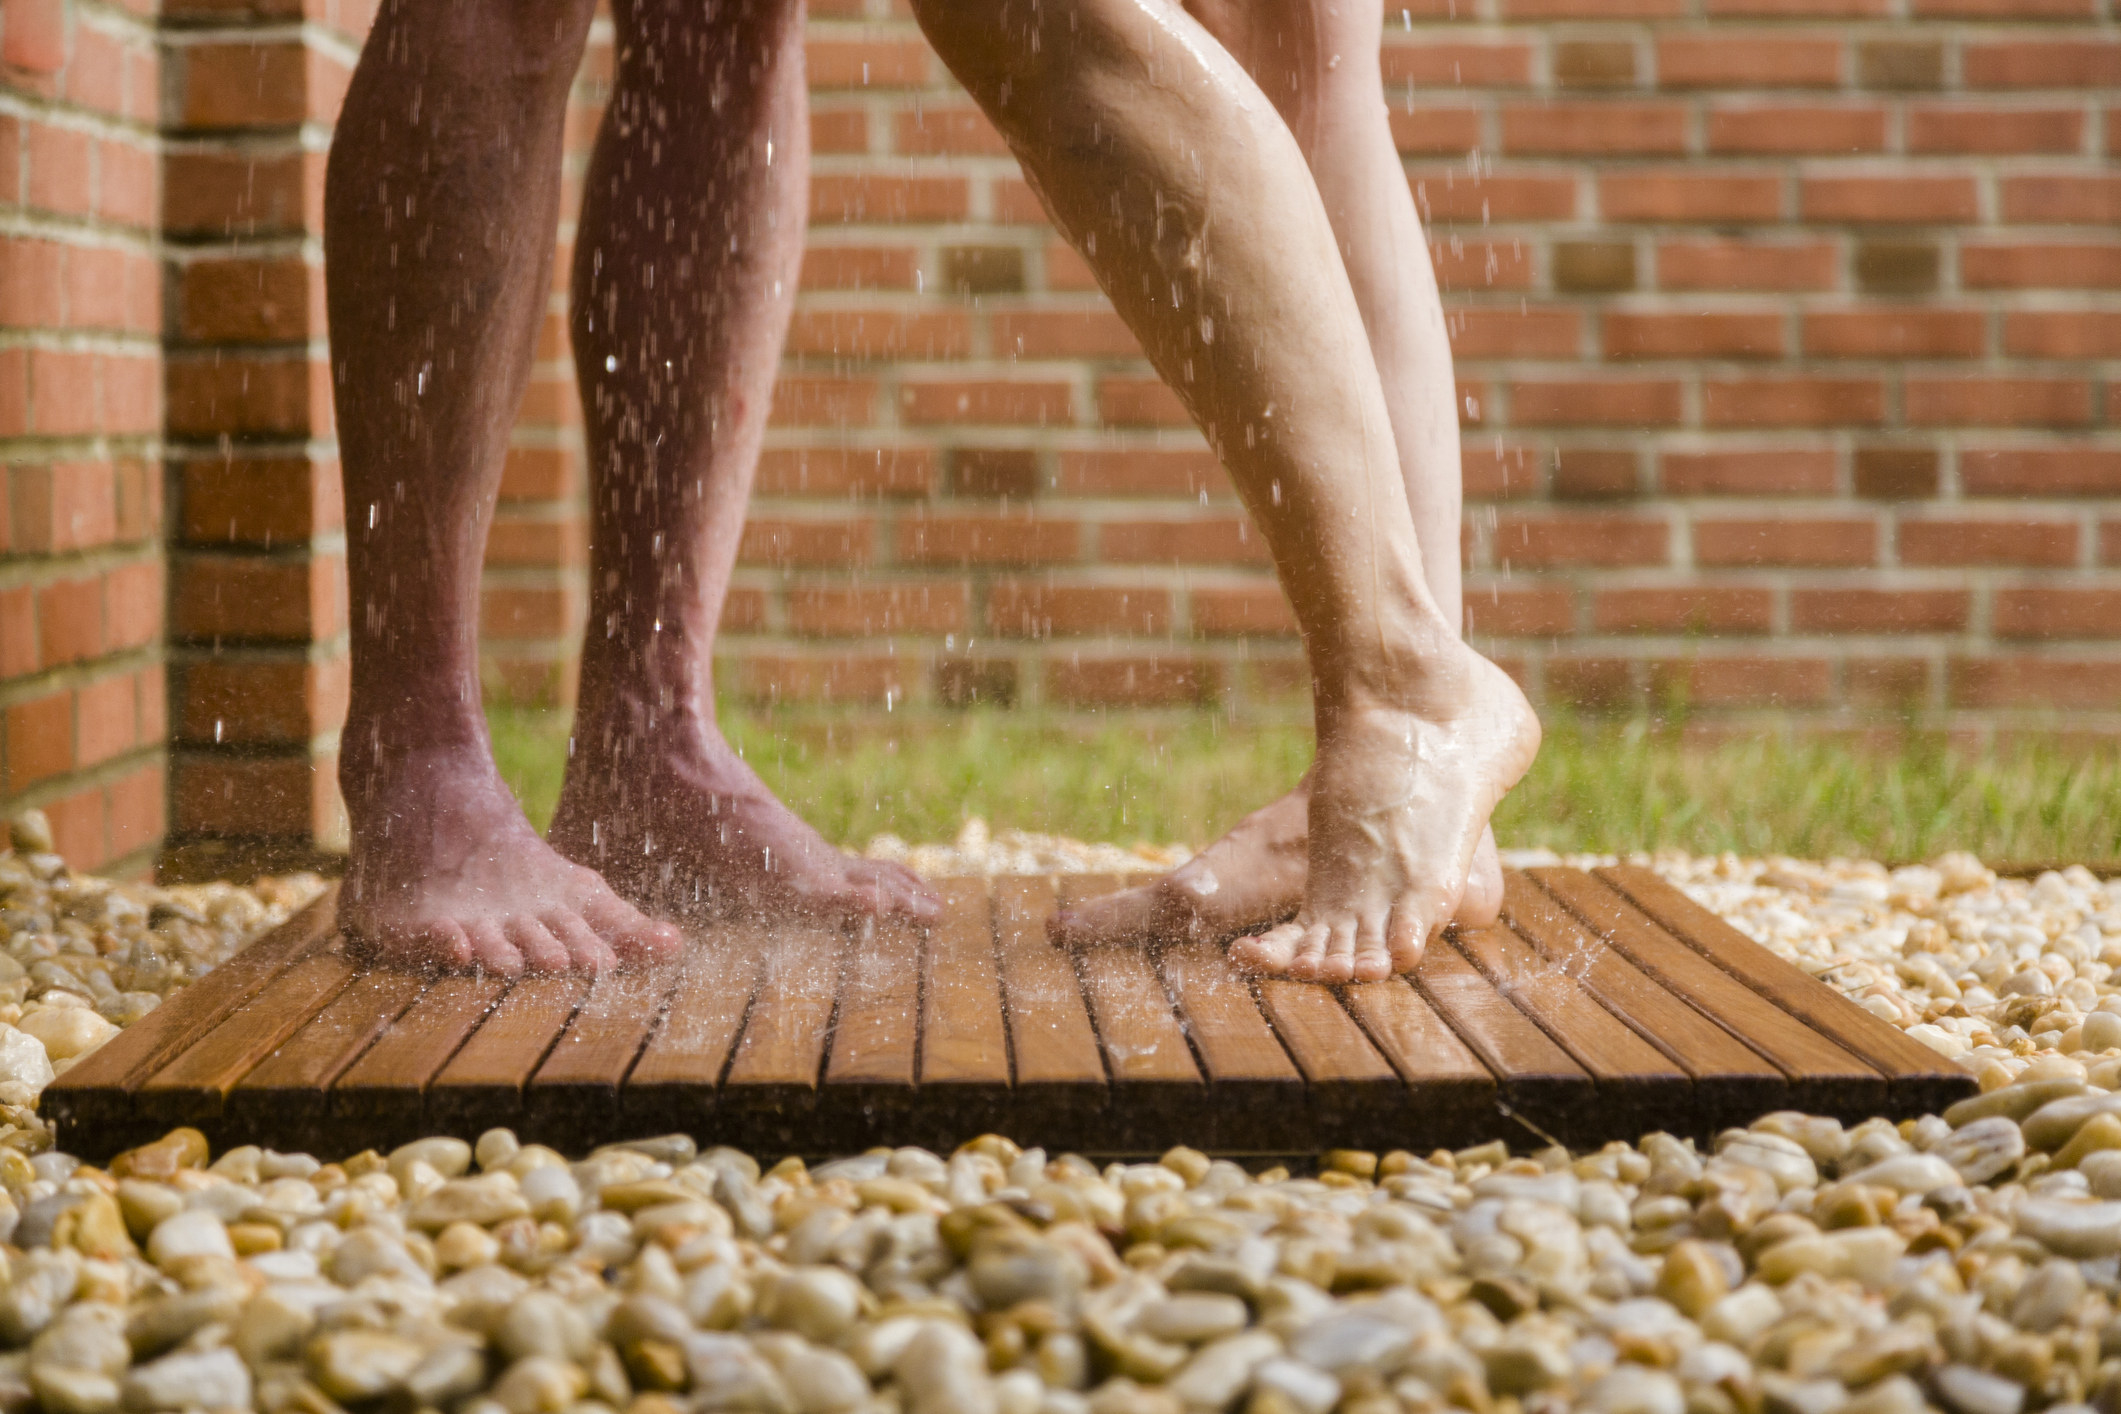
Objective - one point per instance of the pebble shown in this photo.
(1796, 1266)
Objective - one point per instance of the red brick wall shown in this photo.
(82, 695)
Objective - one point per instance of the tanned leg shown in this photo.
(1172, 173)
(1317, 60)
(685, 273)
(439, 204)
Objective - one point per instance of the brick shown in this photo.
(1990, 541)
(1900, 64)
(1895, 331)
(2049, 265)
(1882, 199)
(1796, 129)
(996, 401)
(1452, 196)
(972, 682)
(529, 610)
(983, 270)
(243, 84)
(1745, 265)
(262, 500)
(1895, 473)
(1888, 267)
(2081, 62)
(32, 287)
(1139, 402)
(1798, 401)
(1522, 332)
(225, 393)
(2018, 11)
(1596, 402)
(97, 78)
(989, 538)
(1595, 63)
(1723, 334)
(1988, 129)
(1241, 611)
(1794, 471)
(819, 543)
(1767, 59)
(1743, 682)
(1593, 9)
(1593, 684)
(1998, 402)
(259, 703)
(1030, 609)
(1799, 9)
(993, 472)
(870, 62)
(1498, 472)
(1857, 609)
(1064, 333)
(2050, 684)
(1687, 609)
(106, 719)
(2034, 472)
(880, 333)
(132, 606)
(18, 631)
(95, 288)
(247, 301)
(957, 129)
(127, 188)
(2062, 199)
(1632, 128)
(816, 401)
(1790, 541)
(14, 392)
(251, 599)
(33, 36)
(1689, 195)
(1594, 267)
(879, 609)
(70, 620)
(859, 197)
(62, 393)
(827, 267)
(59, 169)
(1143, 681)
(1205, 540)
(1604, 540)
(2056, 612)
(1596, 474)
(39, 739)
(1143, 471)
(838, 131)
(137, 802)
(2056, 334)
(1434, 130)
(260, 797)
(518, 541)
(1901, 685)
(1498, 611)
(1456, 63)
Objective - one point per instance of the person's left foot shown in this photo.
(681, 825)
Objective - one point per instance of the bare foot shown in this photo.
(446, 874)
(692, 829)
(1250, 879)
(1400, 798)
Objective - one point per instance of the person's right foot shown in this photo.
(446, 874)
(1249, 880)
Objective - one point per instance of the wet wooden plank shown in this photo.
(1259, 1099)
(381, 1098)
(1922, 1081)
(1454, 1092)
(964, 1041)
(572, 1102)
(1822, 1077)
(1732, 1084)
(191, 1088)
(672, 1085)
(1156, 1084)
(1355, 1095)
(1537, 1078)
(286, 1099)
(874, 1061)
(482, 1085)
(1059, 1067)
(94, 1100)
(769, 1096)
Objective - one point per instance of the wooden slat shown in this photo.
(1822, 1077)
(483, 1083)
(1453, 1103)
(1537, 1078)
(191, 1088)
(876, 1039)
(673, 1083)
(1237, 1047)
(288, 1094)
(1922, 1080)
(1155, 1080)
(769, 1096)
(572, 1102)
(964, 1040)
(1354, 1093)
(94, 1099)
(1060, 1070)
(384, 1093)
(1732, 1084)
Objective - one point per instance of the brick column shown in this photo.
(82, 725)
(257, 613)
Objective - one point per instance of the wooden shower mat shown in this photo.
(1608, 1005)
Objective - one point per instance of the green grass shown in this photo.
(1595, 786)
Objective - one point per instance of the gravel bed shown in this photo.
(1969, 1261)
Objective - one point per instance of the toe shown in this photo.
(1480, 903)
(434, 947)
(908, 893)
(1129, 917)
(541, 951)
(632, 935)
(1373, 957)
(1310, 952)
(1338, 964)
(1271, 952)
(1406, 936)
(586, 952)
(491, 949)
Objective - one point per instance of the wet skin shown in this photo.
(441, 207)
(1169, 169)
